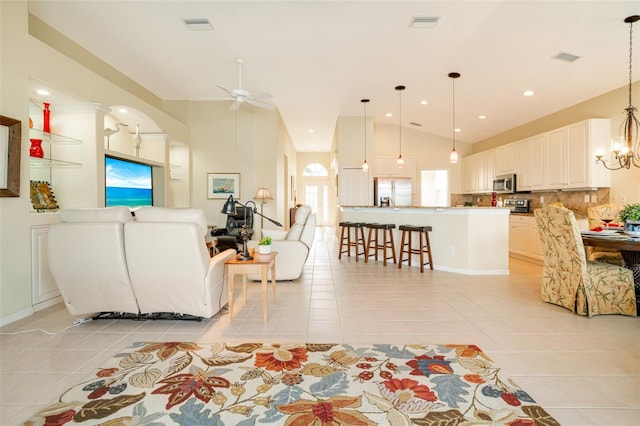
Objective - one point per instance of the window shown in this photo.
(315, 169)
(435, 188)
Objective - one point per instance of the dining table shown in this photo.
(629, 249)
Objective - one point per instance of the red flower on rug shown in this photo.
(166, 350)
(325, 412)
(282, 358)
(424, 365)
(181, 386)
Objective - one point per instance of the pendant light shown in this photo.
(400, 160)
(627, 149)
(365, 165)
(453, 157)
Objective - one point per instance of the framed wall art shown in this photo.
(42, 197)
(221, 185)
(10, 141)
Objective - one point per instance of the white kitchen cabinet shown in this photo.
(45, 292)
(570, 163)
(523, 181)
(537, 158)
(524, 239)
(355, 187)
(506, 159)
(478, 171)
(555, 159)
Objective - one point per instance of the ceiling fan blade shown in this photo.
(261, 104)
(261, 95)
(234, 106)
(225, 89)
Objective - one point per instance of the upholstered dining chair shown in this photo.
(595, 215)
(569, 279)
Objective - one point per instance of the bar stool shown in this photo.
(356, 242)
(424, 247)
(373, 241)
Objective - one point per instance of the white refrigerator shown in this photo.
(396, 190)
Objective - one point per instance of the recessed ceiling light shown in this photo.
(311, 131)
(482, 117)
(528, 93)
(457, 130)
(43, 92)
(198, 24)
(123, 110)
(424, 21)
(423, 102)
(389, 114)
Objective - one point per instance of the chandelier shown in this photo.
(626, 148)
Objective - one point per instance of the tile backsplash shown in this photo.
(574, 200)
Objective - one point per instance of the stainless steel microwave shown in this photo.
(504, 184)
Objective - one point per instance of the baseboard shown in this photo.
(46, 304)
(16, 317)
(527, 258)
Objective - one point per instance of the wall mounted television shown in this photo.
(127, 183)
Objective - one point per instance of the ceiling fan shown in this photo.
(240, 95)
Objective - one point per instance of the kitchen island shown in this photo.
(464, 240)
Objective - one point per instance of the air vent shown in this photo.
(424, 21)
(566, 57)
(413, 123)
(198, 24)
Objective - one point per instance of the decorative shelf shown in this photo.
(36, 162)
(52, 137)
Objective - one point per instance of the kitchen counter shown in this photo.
(464, 240)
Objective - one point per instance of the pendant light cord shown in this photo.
(630, 61)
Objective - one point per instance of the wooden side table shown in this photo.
(261, 263)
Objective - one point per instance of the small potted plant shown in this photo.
(264, 246)
(630, 215)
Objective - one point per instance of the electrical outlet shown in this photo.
(594, 198)
(451, 250)
(622, 199)
(541, 200)
(586, 198)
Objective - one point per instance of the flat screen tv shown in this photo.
(127, 183)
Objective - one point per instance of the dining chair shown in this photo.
(569, 279)
(595, 216)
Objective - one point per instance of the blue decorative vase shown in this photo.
(632, 228)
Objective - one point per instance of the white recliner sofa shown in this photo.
(293, 246)
(105, 261)
(169, 264)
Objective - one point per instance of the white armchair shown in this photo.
(293, 246)
(169, 264)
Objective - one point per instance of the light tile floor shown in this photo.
(584, 371)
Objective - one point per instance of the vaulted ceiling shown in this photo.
(320, 58)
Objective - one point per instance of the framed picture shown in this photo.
(10, 137)
(42, 197)
(221, 185)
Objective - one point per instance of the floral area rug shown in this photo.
(190, 384)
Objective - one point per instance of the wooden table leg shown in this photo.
(265, 294)
(230, 273)
(273, 280)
